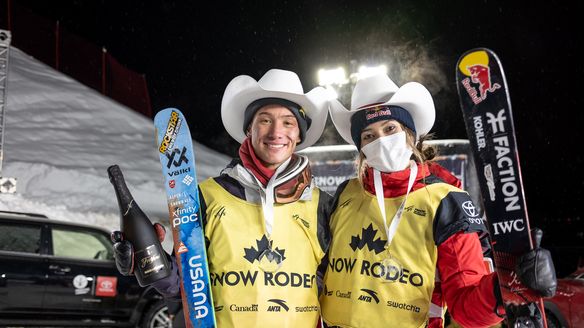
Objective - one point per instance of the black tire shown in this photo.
(157, 316)
(552, 320)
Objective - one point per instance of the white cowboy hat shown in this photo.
(276, 83)
(380, 90)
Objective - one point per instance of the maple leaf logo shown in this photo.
(377, 245)
(252, 254)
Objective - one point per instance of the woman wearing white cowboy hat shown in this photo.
(265, 221)
(402, 243)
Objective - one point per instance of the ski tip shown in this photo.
(166, 110)
(472, 58)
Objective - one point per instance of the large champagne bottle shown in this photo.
(150, 260)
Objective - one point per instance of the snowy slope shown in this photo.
(60, 137)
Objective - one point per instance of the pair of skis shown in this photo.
(486, 108)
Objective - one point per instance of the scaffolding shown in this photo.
(7, 185)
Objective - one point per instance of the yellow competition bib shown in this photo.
(245, 295)
(354, 294)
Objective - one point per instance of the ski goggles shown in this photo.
(291, 190)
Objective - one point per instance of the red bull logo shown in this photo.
(479, 74)
(476, 66)
(377, 111)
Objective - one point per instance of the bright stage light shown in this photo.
(366, 71)
(336, 76)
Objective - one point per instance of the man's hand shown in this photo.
(124, 251)
(536, 269)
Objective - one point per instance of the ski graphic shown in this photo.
(486, 108)
(177, 158)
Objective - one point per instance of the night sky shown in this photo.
(189, 54)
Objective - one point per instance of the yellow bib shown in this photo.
(245, 295)
(355, 294)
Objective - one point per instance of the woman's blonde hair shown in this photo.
(421, 152)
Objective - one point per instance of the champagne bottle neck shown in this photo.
(125, 199)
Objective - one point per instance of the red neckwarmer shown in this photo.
(395, 184)
(253, 163)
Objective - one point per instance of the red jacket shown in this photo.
(468, 288)
(465, 284)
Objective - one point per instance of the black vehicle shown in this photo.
(55, 273)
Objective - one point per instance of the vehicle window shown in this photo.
(79, 244)
(20, 238)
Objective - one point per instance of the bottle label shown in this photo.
(149, 260)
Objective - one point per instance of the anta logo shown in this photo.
(368, 238)
(264, 248)
(368, 295)
(304, 222)
(218, 308)
(345, 203)
(280, 304)
(182, 157)
(220, 213)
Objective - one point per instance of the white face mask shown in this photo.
(388, 154)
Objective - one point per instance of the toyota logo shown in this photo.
(106, 284)
(470, 209)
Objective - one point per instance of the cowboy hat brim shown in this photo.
(412, 96)
(243, 90)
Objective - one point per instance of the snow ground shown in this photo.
(59, 138)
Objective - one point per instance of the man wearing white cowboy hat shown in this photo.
(402, 225)
(265, 221)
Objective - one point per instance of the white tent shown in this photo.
(60, 137)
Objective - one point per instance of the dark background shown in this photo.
(189, 52)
